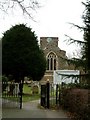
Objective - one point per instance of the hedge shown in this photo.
(77, 101)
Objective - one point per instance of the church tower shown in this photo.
(54, 56)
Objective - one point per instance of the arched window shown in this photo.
(51, 61)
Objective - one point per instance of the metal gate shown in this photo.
(55, 95)
(11, 94)
(50, 95)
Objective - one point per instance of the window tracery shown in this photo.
(51, 61)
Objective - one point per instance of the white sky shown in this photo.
(52, 21)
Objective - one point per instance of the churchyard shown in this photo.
(52, 96)
(29, 92)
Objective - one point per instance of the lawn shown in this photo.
(27, 89)
(27, 95)
(27, 98)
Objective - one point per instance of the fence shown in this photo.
(55, 93)
(50, 95)
(12, 94)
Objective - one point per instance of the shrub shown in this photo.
(76, 101)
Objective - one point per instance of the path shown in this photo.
(30, 110)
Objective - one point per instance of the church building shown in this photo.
(54, 57)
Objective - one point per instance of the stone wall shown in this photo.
(52, 46)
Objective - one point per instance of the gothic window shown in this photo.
(54, 64)
(51, 66)
(47, 64)
(51, 61)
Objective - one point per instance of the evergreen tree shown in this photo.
(84, 61)
(86, 46)
(21, 54)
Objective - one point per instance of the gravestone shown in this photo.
(16, 89)
(35, 89)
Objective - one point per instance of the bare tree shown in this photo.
(27, 6)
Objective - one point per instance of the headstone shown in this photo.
(35, 89)
(16, 89)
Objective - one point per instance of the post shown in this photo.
(43, 95)
(59, 95)
(48, 95)
(56, 94)
(20, 88)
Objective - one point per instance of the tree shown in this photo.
(27, 6)
(84, 61)
(86, 46)
(21, 54)
(5, 82)
(0, 57)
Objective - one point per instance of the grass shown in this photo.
(11, 98)
(27, 89)
(27, 95)
(27, 98)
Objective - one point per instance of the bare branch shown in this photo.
(23, 8)
(71, 40)
(79, 27)
(12, 5)
(27, 6)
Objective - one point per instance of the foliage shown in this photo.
(0, 57)
(76, 101)
(21, 54)
(4, 81)
(78, 85)
(38, 65)
(86, 36)
(84, 61)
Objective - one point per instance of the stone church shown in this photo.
(54, 57)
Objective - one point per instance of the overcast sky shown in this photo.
(52, 21)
